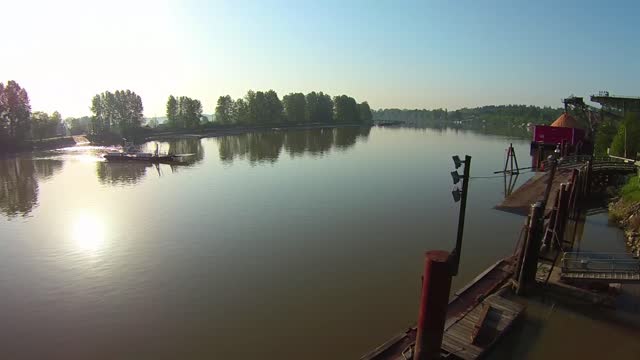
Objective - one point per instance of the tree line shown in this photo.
(184, 112)
(619, 133)
(18, 125)
(15, 115)
(119, 112)
(260, 108)
(504, 114)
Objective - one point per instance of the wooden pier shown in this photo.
(479, 329)
(479, 314)
(468, 334)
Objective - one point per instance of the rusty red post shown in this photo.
(436, 285)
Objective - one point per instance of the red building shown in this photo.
(564, 133)
(564, 129)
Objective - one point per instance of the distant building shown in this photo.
(564, 134)
(564, 130)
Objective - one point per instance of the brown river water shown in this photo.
(280, 245)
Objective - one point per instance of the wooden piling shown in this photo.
(529, 258)
(551, 225)
(553, 163)
(561, 216)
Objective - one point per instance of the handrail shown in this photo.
(599, 262)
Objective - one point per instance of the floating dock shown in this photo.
(479, 329)
(519, 202)
(476, 318)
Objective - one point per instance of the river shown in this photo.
(279, 245)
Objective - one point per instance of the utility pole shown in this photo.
(439, 268)
(462, 196)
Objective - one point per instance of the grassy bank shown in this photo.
(625, 211)
(34, 145)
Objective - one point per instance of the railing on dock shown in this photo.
(598, 162)
(610, 267)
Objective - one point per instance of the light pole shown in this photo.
(460, 195)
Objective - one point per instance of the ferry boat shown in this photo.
(131, 153)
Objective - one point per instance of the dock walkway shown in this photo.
(476, 332)
(463, 310)
(600, 267)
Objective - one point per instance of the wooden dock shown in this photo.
(520, 200)
(464, 309)
(472, 335)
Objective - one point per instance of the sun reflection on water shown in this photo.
(88, 233)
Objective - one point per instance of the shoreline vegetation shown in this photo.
(625, 213)
(119, 115)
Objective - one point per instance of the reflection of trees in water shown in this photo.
(187, 146)
(259, 147)
(45, 169)
(363, 132)
(121, 173)
(265, 146)
(230, 147)
(319, 141)
(183, 146)
(18, 186)
(295, 142)
(256, 147)
(346, 137)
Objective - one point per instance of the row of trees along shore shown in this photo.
(264, 108)
(18, 125)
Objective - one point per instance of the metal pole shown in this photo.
(511, 156)
(515, 159)
(463, 208)
(433, 305)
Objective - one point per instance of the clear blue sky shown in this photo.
(407, 54)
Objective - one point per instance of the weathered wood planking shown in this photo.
(458, 336)
(463, 301)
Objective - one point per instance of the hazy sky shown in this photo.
(422, 54)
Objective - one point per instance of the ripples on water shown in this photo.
(262, 245)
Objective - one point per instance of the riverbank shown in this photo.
(625, 212)
(40, 145)
(236, 130)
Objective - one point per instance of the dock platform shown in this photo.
(478, 330)
(519, 202)
(463, 309)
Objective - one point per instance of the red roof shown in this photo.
(566, 120)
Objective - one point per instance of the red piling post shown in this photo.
(436, 286)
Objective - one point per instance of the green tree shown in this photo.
(252, 107)
(320, 107)
(273, 108)
(625, 142)
(364, 112)
(120, 111)
(240, 112)
(172, 111)
(39, 124)
(97, 120)
(295, 108)
(224, 110)
(604, 135)
(15, 113)
(346, 109)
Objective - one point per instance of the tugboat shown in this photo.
(131, 153)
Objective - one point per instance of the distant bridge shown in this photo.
(600, 267)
